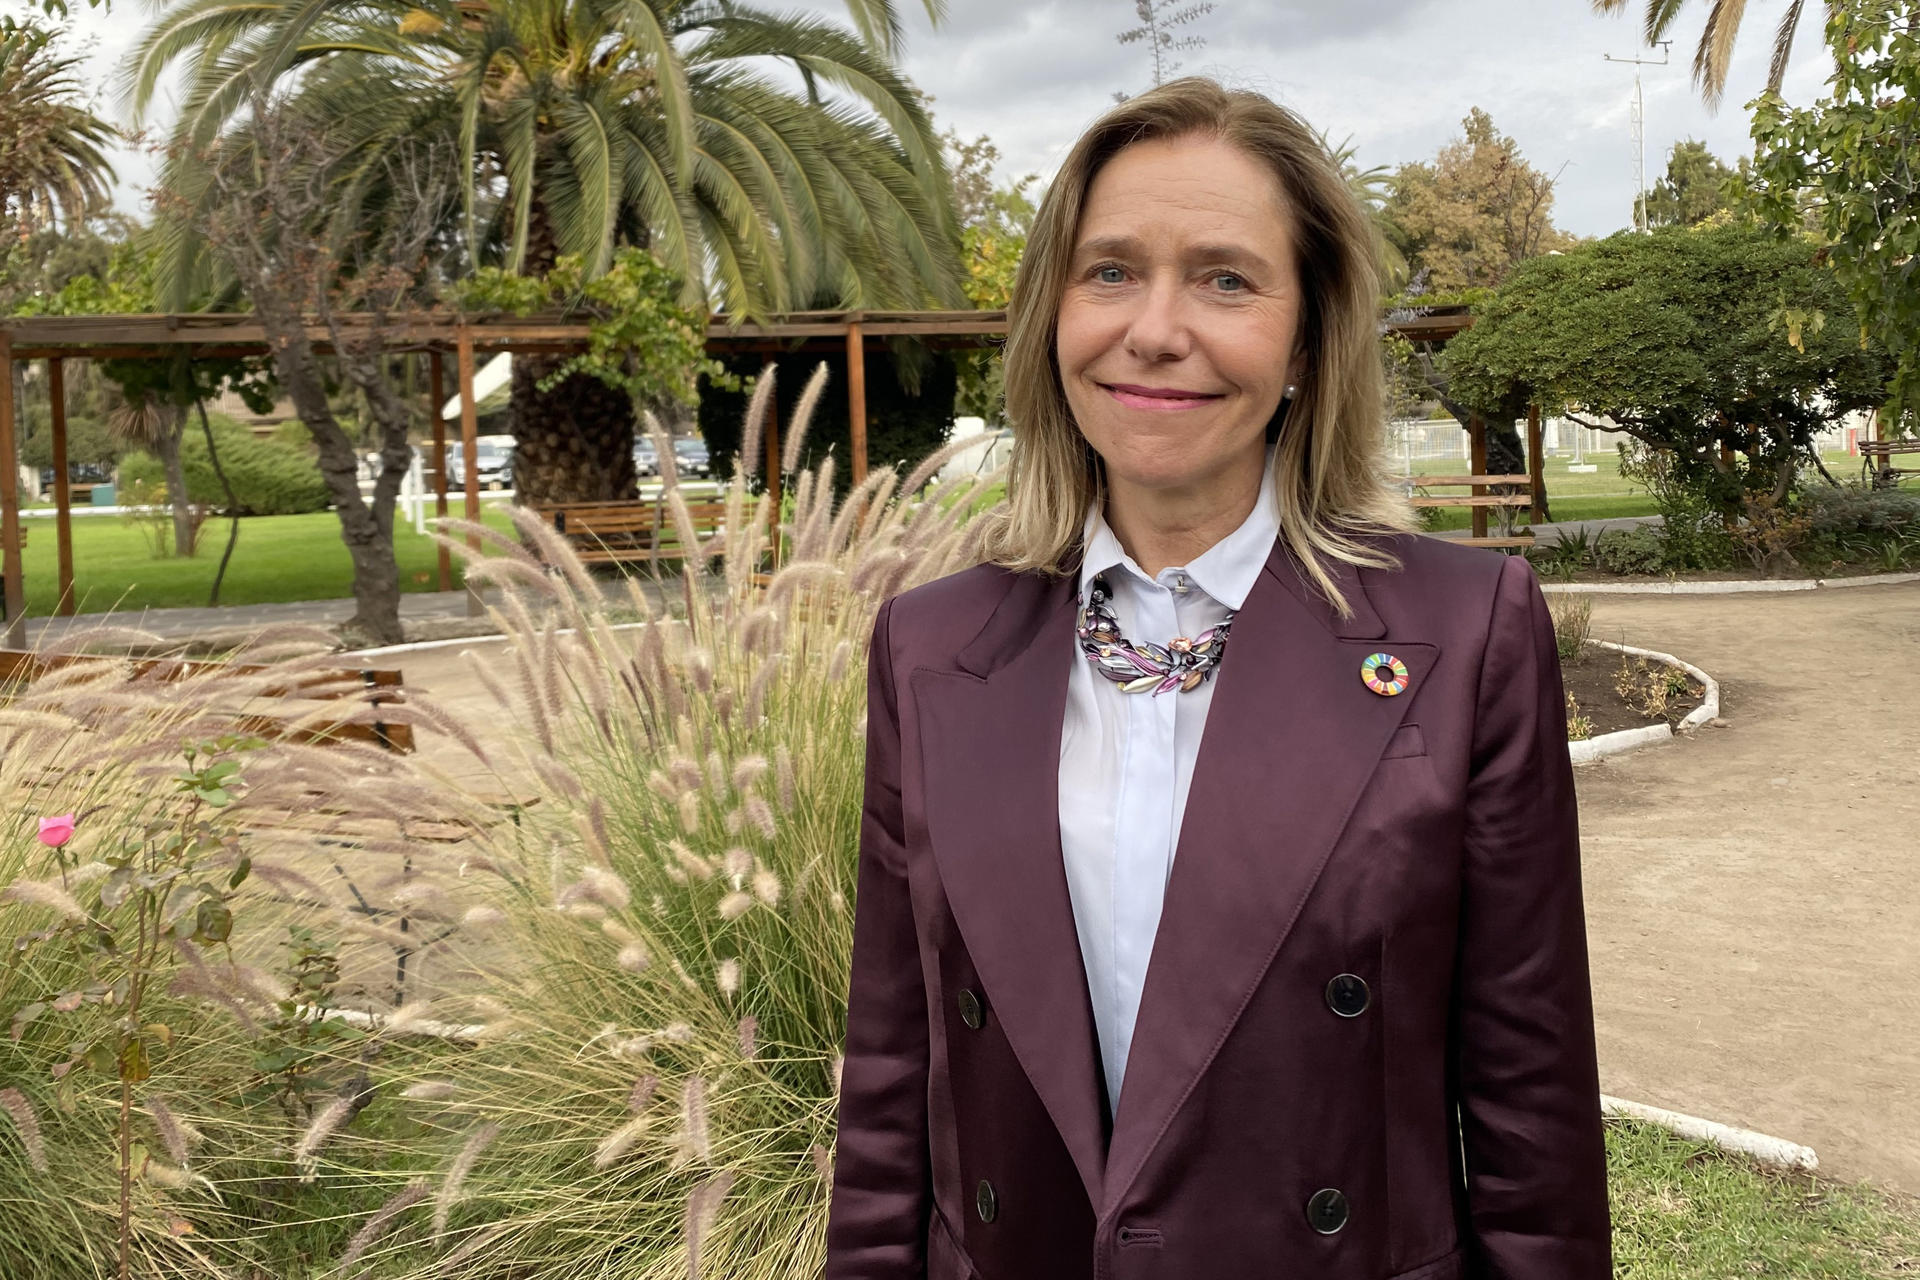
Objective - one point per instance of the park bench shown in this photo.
(1877, 467)
(616, 532)
(365, 685)
(1502, 504)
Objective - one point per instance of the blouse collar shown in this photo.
(1226, 571)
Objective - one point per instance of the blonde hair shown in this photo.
(1329, 461)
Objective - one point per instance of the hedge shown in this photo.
(269, 478)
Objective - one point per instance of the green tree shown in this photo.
(1158, 19)
(1850, 165)
(53, 164)
(1725, 349)
(591, 124)
(1713, 57)
(1696, 187)
(995, 218)
(1473, 213)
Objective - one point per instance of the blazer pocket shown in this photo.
(945, 1258)
(1447, 1268)
(1406, 742)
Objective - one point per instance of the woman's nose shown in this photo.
(1159, 328)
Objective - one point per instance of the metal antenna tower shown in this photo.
(1640, 130)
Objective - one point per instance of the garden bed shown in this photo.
(1612, 691)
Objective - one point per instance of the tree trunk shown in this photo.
(366, 530)
(571, 444)
(1506, 453)
(167, 440)
(574, 443)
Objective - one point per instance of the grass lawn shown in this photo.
(1681, 1211)
(278, 558)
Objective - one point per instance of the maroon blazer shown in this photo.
(1365, 1044)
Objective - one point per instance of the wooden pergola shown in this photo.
(57, 339)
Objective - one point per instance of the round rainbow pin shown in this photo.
(1385, 674)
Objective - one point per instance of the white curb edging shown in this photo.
(1737, 587)
(1587, 750)
(1763, 1148)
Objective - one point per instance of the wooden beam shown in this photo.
(857, 399)
(62, 486)
(437, 388)
(469, 450)
(1537, 463)
(1477, 433)
(14, 592)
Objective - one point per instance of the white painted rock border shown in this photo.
(1762, 1148)
(1731, 587)
(1586, 750)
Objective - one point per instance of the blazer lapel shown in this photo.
(990, 740)
(1292, 737)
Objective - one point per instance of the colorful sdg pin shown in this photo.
(1385, 674)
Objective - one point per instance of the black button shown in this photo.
(1347, 995)
(985, 1202)
(972, 1012)
(1327, 1211)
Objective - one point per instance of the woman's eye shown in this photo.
(1227, 282)
(1109, 275)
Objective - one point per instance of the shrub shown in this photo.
(269, 479)
(1639, 550)
(1853, 524)
(1572, 623)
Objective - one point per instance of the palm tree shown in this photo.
(1372, 187)
(53, 165)
(1714, 55)
(588, 124)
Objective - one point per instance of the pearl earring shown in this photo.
(1291, 392)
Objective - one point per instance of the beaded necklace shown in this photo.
(1182, 664)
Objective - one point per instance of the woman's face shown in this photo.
(1179, 320)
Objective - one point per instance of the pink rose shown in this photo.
(55, 832)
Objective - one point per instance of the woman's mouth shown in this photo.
(1158, 398)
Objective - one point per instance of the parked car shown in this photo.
(646, 459)
(690, 456)
(493, 466)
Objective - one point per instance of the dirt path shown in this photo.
(1753, 893)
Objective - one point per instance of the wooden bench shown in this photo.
(373, 687)
(1479, 498)
(616, 532)
(1877, 457)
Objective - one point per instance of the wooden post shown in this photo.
(857, 396)
(62, 487)
(469, 449)
(1477, 433)
(437, 388)
(773, 470)
(1537, 463)
(14, 593)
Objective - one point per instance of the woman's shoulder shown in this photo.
(1440, 581)
(934, 621)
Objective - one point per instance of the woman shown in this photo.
(1305, 996)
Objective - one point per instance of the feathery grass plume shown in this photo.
(756, 425)
(694, 865)
(766, 887)
(640, 1097)
(735, 905)
(783, 776)
(738, 864)
(429, 1090)
(26, 1123)
(749, 1032)
(803, 418)
(328, 1119)
(760, 814)
(44, 894)
(621, 1140)
(727, 977)
(172, 1136)
(717, 782)
(633, 957)
(380, 1219)
(449, 1193)
(703, 1207)
(696, 1135)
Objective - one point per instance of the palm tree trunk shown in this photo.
(575, 442)
(167, 440)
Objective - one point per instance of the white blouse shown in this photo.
(1126, 760)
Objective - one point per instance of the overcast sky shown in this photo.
(1396, 75)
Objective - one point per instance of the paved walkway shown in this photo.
(1753, 893)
